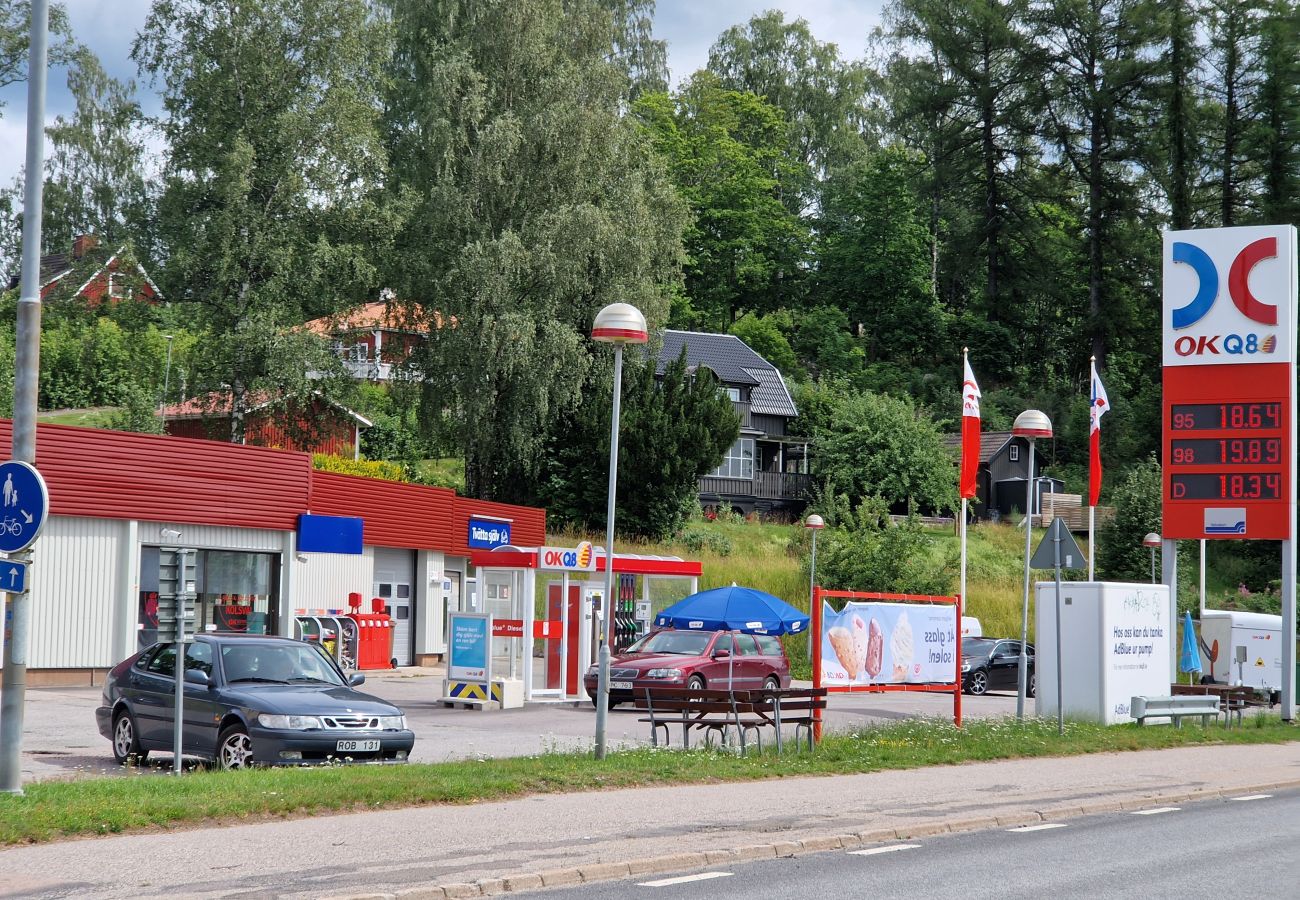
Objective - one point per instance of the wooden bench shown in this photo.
(712, 711)
(794, 706)
(1231, 698)
(1174, 708)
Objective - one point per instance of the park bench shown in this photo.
(1231, 699)
(713, 712)
(1174, 708)
(794, 706)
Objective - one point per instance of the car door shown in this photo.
(719, 670)
(771, 658)
(155, 698)
(749, 665)
(1004, 666)
(203, 709)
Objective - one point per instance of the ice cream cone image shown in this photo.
(875, 649)
(901, 647)
(850, 646)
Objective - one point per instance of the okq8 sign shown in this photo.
(1229, 382)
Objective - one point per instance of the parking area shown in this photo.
(60, 739)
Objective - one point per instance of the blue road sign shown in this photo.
(13, 577)
(24, 506)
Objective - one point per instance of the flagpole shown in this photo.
(1092, 510)
(962, 589)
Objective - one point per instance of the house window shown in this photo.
(739, 461)
(118, 286)
(733, 394)
(1013, 453)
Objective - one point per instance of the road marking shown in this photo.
(1156, 811)
(1252, 797)
(684, 879)
(1026, 828)
(872, 851)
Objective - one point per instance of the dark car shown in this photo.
(993, 664)
(694, 659)
(249, 699)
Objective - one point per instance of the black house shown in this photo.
(1004, 473)
(766, 469)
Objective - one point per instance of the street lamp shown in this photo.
(1152, 542)
(617, 324)
(813, 523)
(1030, 424)
(167, 372)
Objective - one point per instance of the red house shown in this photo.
(90, 272)
(325, 427)
(374, 338)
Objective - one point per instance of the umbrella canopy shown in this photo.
(734, 609)
(1189, 659)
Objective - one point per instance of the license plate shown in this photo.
(620, 685)
(357, 746)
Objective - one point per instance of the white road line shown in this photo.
(1027, 828)
(1156, 811)
(872, 851)
(684, 879)
(1252, 797)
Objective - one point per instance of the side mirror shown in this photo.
(197, 676)
(356, 678)
(721, 653)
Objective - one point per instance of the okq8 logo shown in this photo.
(1247, 304)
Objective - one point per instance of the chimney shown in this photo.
(83, 244)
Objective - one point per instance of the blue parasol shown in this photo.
(1189, 660)
(734, 609)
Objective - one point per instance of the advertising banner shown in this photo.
(888, 643)
(467, 646)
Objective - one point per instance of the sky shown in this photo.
(690, 27)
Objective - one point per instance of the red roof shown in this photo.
(218, 403)
(381, 314)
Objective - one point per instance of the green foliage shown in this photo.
(763, 336)
(865, 551)
(367, 468)
(139, 412)
(1137, 499)
(873, 445)
(698, 540)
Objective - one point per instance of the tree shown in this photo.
(764, 337)
(863, 550)
(15, 37)
(1137, 499)
(1275, 140)
(673, 429)
(727, 154)
(267, 214)
(1233, 82)
(535, 202)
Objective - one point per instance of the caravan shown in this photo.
(1242, 648)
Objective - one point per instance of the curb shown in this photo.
(679, 862)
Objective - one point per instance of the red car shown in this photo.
(694, 659)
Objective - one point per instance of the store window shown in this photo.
(237, 591)
(739, 461)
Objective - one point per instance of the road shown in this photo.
(1238, 847)
(60, 739)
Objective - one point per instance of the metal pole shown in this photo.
(1153, 565)
(602, 681)
(1056, 556)
(812, 585)
(1022, 676)
(27, 369)
(179, 724)
(1202, 576)
(167, 371)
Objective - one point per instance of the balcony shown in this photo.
(763, 486)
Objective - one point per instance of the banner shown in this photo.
(467, 647)
(889, 643)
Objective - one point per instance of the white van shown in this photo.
(1223, 631)
(970, 627)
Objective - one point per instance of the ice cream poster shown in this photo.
(889, 643)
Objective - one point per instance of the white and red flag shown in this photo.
(970, 432)
(1099, 407)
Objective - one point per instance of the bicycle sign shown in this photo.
(24, 505)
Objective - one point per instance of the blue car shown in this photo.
(249, 700)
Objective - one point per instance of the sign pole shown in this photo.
(1056, 553)
(180, 708)
(1022, 673)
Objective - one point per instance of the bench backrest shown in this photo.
(1152, 706)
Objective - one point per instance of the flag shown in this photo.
(970, 432)
(1098, 408)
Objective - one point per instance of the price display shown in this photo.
(1225, 486)
(1225, 416)
(1225, 451)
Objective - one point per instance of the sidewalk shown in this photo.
(559, 839)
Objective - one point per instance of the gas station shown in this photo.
(554, 597)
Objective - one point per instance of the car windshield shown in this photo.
(681, 643)
(976, 646)
(279, 663)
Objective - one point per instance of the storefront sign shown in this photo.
(508, 628)
(889, 643)
(581, 558)
(329, 534)
(467, 646)
(488, 534)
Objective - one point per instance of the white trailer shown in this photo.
(1223, 631)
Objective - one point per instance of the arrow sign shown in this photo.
(1045, 556)
(13, 577)
(27, 517)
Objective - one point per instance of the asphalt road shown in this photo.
(1239, 847)
(60, 739)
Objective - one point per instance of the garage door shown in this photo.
(394, 577)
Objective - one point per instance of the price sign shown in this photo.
(1229, 374)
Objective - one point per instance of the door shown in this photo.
(719, 672)
(1004, 666)
(750, 670)
(394, 575)
(155, 698)
(202, 711)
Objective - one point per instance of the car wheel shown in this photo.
(695, 683)
(772, 683)
(1032, 688)
(126, 740)
(234, 748)
(978, 683)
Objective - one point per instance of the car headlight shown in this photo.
(392, 723)
(289, 723)
(965, 666)
(670, 674)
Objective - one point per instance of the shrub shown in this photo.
(368, 468)
(697, 540)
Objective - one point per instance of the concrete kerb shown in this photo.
(685, 862)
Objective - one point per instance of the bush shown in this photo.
(367, 468)
(697, 540)
(868, 552)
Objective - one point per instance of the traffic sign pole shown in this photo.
(26, 375)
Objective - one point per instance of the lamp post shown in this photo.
(813, 523)
(1030, 424)
(167, 372)
(617, 324)
(1152, 542)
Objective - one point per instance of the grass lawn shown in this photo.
(57, 809)
(91, 417)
